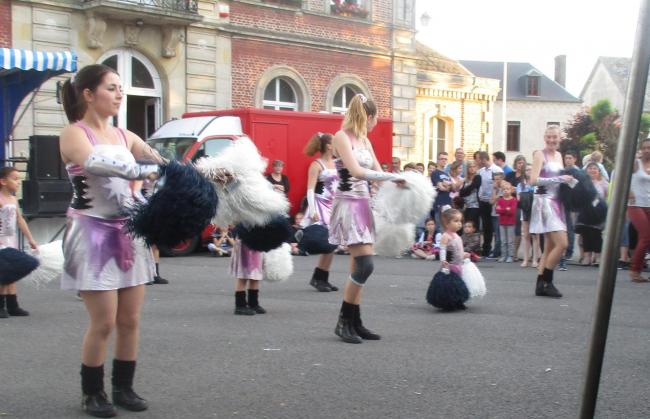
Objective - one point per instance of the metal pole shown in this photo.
(625, 152)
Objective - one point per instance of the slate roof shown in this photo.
(434, 61)
(550, 91)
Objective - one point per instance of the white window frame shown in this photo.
(277, 103)
(343, 109)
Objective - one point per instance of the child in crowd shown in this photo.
(222, 243)
(10, 218)
(497, 193)
(428, 245)
(472, 241)
(506, 207)
(296, 234)
(246, 267)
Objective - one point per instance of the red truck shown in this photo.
(277, 134)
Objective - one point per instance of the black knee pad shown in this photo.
(363, 267)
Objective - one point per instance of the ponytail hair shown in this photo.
(318, 143)
(356, 118)
(89, 78)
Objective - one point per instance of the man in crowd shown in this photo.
(459, 156)
(442, 182)
(499, 159)
(486, 172)
(396, 165)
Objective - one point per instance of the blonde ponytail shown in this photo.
(356, 118)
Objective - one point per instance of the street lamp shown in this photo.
(425, 19)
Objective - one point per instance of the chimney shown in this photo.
(560, 70)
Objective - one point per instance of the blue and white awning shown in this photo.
(21, 73)
(21, 59)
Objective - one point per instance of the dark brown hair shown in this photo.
(318, 143)
(5, 171)
(448, 215)
(89, 78)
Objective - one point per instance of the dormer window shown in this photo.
(532, 86)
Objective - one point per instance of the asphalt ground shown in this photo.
(510, 355)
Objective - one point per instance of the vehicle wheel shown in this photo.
(184, 248)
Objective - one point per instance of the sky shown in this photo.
(531, 31)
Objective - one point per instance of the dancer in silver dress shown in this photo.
(322, 180)
(352, 223)
(105, 264)
(547, 215)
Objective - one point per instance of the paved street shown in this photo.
(511, 355)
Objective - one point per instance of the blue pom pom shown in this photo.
(180, 209)
(265, 238)
(15, 265)
(447, 291)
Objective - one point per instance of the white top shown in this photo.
(640, 187)
(8, 216)
(487, 179)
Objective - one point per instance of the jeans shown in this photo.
(507, 236)
(496, 250)
(571, 235)
(485, 211)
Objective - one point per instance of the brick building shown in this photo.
(5, 23)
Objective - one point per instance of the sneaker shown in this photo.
(500, 260)
(509, 259)
(562, 268)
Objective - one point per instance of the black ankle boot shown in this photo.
(3, 310)
(345, 327)
(548, 289)
(240, 304)
(123, 394)
(94, 400)
(254, 302)
(12, 306)
(539, 286)
(326, 278)
(319, 280)
(360, 329)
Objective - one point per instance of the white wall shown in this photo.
(601, 86)
(533, 117)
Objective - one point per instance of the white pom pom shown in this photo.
(278, 263)
(248, 198)
(392, 239)
(50, 257)
(473, 279)
(405, 205)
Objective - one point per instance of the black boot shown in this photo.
(539, 286)
(360, 329)
(12, 306)
(240, 304)
(254, 302)
(326, 278)
(319, 280)
(157, 279)
(3, 310)
(94, 400)
(123, 394)
(345, 328)
(548, 289)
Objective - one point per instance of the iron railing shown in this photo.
(188, 6)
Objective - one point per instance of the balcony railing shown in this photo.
(186, 6)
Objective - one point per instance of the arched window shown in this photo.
(141, 112)
(343, 97)
(279, 95)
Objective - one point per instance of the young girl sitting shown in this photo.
(472, 241)
(428, 245)
(10, 217)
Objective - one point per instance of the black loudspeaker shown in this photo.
(45, 159)
(46, 197)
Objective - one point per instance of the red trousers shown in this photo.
(640, 219)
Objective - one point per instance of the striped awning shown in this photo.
(21, 59)
(22, 72)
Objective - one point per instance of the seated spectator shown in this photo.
(222, 242)
(296, 234)
(428, 245)
(472, 241)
